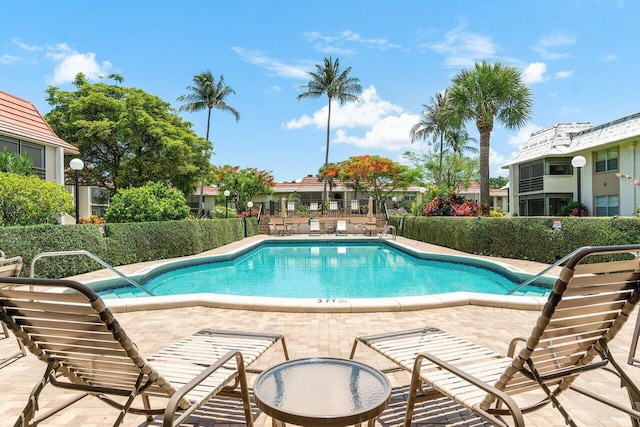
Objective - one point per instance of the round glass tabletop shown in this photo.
(322, 391)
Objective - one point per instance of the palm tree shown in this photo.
(207, 94)
(433, 122)
(329, 80)
(484, 94)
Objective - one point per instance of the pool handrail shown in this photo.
(540, 274)
(93, 257)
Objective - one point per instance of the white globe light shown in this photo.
(227, 193)
(578, 161)
(249, 204)
(76, 164)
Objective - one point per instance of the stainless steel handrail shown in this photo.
(386, 231)
(93, 257)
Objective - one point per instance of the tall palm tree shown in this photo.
(486, 93)
(207, 94)
(433, 122)
(329, 80)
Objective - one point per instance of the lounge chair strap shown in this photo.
(550, 394)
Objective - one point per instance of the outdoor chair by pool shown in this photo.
(314, 227)
(67, 326)
(341, 227)
(586, 309)
(10, 267)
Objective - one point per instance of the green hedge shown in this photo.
(124, 243)
(530, 238)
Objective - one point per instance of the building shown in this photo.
(23, 130)
(543, 179)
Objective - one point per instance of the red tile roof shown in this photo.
(20, 118)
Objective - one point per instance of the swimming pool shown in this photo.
(330, 270)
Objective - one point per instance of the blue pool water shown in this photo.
(329, 270)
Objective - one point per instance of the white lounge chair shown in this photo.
(314, 227)
(587, 307)
(341, 227)
(68, 327)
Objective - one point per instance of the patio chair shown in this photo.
(68, 327)
(355, 206)
(333, 208)
(10, 267)
(341, 227)
(586, 309)
(313, 208)
(314, 227)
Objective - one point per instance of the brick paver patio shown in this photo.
(318, 334)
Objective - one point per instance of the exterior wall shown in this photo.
(629, 194)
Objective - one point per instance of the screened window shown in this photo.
(607, 160)
(607, 205)
(99, 201)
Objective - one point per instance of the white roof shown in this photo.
(564, 139)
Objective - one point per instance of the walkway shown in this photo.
(318, 334)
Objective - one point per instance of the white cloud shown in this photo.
(337, 43)
(496, 160)
(276, 66)
(69, 63)
(610, 57)
(371, 123)
(463, 48)
(546, 45)
(26, 47)
(568, 109)
(564, 74)
(10, 59)
(534, 73)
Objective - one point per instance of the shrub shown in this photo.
(220, 211)
(153, 202)
(452, 206)
(28, 200)
(571, 209)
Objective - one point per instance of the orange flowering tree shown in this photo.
(371, 176)
(243, 184)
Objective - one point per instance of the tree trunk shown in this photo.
(325, 195)
(485, 128)
(201, 199)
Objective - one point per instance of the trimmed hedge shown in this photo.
(124, 243)
(530, 238)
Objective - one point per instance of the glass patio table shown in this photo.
(322, 391)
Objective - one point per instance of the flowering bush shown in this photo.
(452, 206)
(634, 181)
(93, 219)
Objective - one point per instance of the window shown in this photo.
(607, 205)
(607, 160)
(9, 143)
(35, 152)
(531, 176)
(99, 201)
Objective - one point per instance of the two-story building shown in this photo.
(23, 130)
(543, 179)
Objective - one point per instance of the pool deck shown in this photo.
(321, 333)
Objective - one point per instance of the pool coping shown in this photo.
(321, 305)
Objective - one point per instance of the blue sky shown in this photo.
(580, 58)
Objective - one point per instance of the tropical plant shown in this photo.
(127, 137)
(153, 202)
(571, 209)
(29, 200)
(433, 123)
(453, 205)
(372, 176)
(15, 163)
(487, 93)
(207, 94)
(329, 80)
(243, 184)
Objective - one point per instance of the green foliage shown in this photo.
(452, 206)
(242, 184)
(498, 182)
(220, 211)
(124, 243)
(153, 202)
(571, 209)
(127, 136)
(28, 200)
(15, 163)
(530, 238)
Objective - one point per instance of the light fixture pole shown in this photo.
(578, 162)
(249, 206)
(77, 165)
(226, 200)
(393, 199)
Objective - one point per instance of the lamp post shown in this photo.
(226, 203)
(77, 165)
(578, 162)
(249, 206)
(393, 199)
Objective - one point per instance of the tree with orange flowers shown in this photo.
(371, 176)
